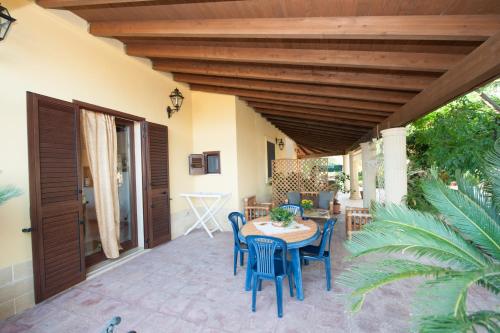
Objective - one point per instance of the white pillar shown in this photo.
(369, 168)
(353, 173)
(345, 168)
(395, 174)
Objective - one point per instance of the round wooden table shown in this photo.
(295, 240)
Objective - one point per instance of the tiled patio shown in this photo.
(187, 285)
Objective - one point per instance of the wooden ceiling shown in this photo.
(328, 73)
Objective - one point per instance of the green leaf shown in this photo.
(365, 277)
(492, 169)
(489, 320)
(470, 218)
(8, 192)
(400, 229)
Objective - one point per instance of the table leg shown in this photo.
(213, 209)
(297, 273)
(199, 221)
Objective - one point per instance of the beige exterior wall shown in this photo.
(253, 133)
(51, 53)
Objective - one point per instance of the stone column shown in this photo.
(345, 168)
(369, 168)
(395, 173)
(353, 173)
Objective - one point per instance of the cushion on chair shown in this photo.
(293, 198)
(324, 199)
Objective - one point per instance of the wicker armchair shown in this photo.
(355, 218)
(254, 210)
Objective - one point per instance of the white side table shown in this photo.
(206, 212)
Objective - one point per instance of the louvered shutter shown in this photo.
(197, 164)
(55, 197)
(156, 184)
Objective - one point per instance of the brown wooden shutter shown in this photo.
(156, 184)
(197, 164)
(55, 197)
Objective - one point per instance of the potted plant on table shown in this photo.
(306, 204)
(281, 217)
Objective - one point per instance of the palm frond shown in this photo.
(489, 320)
(365, 277)
(8, 192)
(400, 229)
(492, 170)
(475, 221)
(446, 295)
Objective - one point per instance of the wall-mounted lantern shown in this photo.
(280, 143)
(176, 98)
(5, 21)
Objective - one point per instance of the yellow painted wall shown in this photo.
(51, 53)
(253, 133)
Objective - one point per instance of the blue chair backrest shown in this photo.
(263, 250)
(326, 239)
(294, 209)
(235, 218)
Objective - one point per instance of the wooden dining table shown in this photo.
(295, 240)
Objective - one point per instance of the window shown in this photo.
(271, 156)
(212, 161)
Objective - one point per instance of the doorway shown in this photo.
(126, 193)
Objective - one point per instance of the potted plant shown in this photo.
(339, 184)
(307, 204)
(281, 217)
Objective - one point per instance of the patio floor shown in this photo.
(187, 285)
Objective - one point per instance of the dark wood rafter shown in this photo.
(316, 111)
(431, 62)
(326, 78)
(317, 100)
(427, 27)
(87, 4)
(382, 80)
(391, 96)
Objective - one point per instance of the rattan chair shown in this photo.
(355, 219)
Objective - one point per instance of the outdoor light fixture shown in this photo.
(176, 98)
(5, 21)
(280, 143)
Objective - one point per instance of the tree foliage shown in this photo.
(455, 137)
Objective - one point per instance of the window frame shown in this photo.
(207, 154)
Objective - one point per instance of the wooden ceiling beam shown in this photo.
(87, 4)
(479, 67)
(428, 62)
(416, 82)
(381, 114)
(316, 132)
(316, 123)
(357, 123)
(316, 111)
(378, 95)
(416, 27)
(344, 133)
(329, 101)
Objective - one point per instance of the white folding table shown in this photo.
(219, 200)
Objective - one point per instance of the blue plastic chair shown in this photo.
(268, 262)
(239, 248)
(321, 252)
(295, 209)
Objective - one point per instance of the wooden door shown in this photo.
(55, 195)
(156, 184)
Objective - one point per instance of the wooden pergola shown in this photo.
(328, 73)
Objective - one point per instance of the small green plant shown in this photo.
(8, 192)
(306, 204)
(281, 215)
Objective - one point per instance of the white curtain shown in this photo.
(99, 136)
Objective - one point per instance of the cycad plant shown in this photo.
(454, 250)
